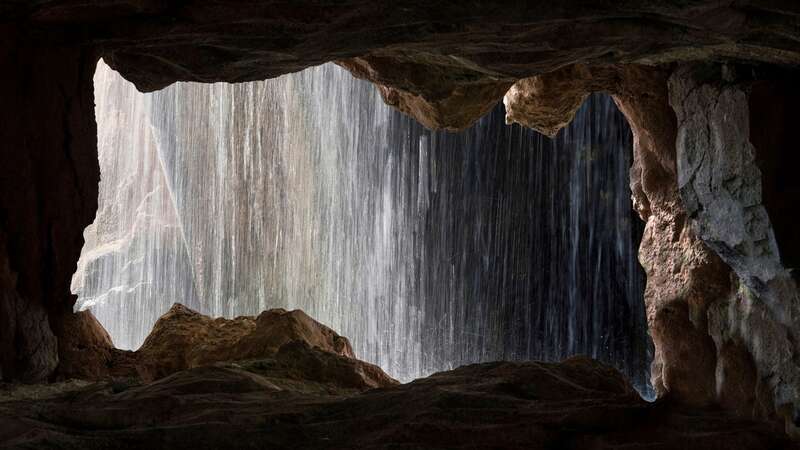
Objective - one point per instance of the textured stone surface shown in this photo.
(85, 348)
(288, 343)
(719, 180)
(426, 55)
(717, 341)
(458, 98)
(182, 339)
(683, 275)
(48, 188)
(575, 404)
(48, 194)
(720, 184)
(547, 103)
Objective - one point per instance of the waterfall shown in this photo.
(428, 250)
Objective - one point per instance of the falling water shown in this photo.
(427, 249)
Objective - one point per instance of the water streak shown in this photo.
(427, 249)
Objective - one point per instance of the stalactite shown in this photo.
(427, 249)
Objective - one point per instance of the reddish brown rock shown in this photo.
(183, 339)
(720, 181)
(740, 389)
(683, 276)
(276, 327)
(705, 333)
(548, 103)
(281, 345)
(437, 91)
(442, 61)
(299, 361)
(85, 348)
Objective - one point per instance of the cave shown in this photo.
(416, 140)
(308, 192)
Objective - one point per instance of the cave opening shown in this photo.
(428, 249)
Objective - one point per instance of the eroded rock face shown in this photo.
(578, 403)
(285, 345)
(547, 103)
(183, 339)
(437, 90)
(720, 184)
(48, 194)
(718, 339)
(85, 347)
(193, 41)
(683, 275)
(445, 64)
(429, 57)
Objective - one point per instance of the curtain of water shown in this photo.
(427, 249)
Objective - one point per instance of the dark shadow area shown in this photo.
(773, 132)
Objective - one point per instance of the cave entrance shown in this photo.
(427, 249)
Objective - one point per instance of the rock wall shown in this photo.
(444, 61)
(48, 194)
(578, 403)
(721, 187)
(683, 275)
(285, 344)
(704, 323)
(722, 305)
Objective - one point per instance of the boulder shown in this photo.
(183, 339)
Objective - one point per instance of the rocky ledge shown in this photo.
(289, 342)
(282, 380)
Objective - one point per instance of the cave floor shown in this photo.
(576, 404)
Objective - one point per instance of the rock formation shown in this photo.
(48, 194)
(182, 339)
(682, 273)
(577, 403)
(283, 341)
(444, 63)
(697, 184)
(720, 185)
